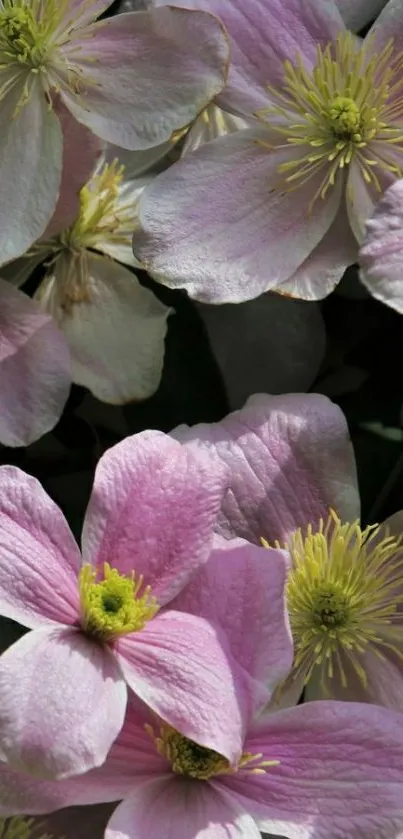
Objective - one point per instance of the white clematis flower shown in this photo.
(114, 326)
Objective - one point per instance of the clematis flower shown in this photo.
(293, 482)
(318, 771)
(101, 622)
(35, 371)
(132, 80)
(381, 254)
(114, 326)
(282, 205)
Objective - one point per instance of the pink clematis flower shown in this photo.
(282, 205)
(293, 482)
(131, 80)
(318, 771)
(381, 254)
(101, 623)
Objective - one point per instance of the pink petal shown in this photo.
(290, 459)
(241, 590)
(177, 665)
(340, 772)
(381, 254)
(30, 168)
(362, 197)
(79, 14)
(185, 810)
(146, 74)
(388, 26)
(253, 358)
(34, 369)
(212, 225)
(263, 34)
(324, 267)
(384, 680)
(22, 793)
(63, 702)
(152, 510)
(39, 559)
(80, 152)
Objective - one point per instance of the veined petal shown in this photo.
(179, 666)
(146, 74)
(23, 793)
(381, 254)
(215, 225)
(290, 459)
(30, 169)
(63, 703)
(35, 372)
(339, 772)
(324, 267)
(115, 333)
(263, 34)
(152, 510)
(186, 810)
(241, 590)
(39, 558)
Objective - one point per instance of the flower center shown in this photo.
(20, 827)
(335, 113)
(24, 36)
(113, 606)
(344, 593)
(100, 215)
(188, 758)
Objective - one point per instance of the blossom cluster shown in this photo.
(222, 655)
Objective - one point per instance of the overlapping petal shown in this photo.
(290, 459)
(150, 74)
(39, 558)
(152, 510)
(257, 234)
(381, 254)
(77, 684)
(35, 373)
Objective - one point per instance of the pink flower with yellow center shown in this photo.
(282, 205)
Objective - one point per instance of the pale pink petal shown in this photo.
(35, 373)
(241, 590)
(39, 559)
(177, 664)
(220, 224)
(263, 34)
(79, 13)
(152, 510)
(177, 808)
(81, 148)
(339, 774)
(361, 199)
(290, 459)
(63, 703)
(324, 267)
(30, 169)
(381, 254)
(23, 793)
(388, 26)
(115, 333)
(357, 13)
(146, 74)
(254, 357)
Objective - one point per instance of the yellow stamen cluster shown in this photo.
(188, 758)
(113, 606)
(21, 827)
(344, 595)
(333, 114)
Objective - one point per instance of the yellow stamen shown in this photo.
(344, 596)
(188, 758)
(21, 827)
(114, 606)
(333, 115)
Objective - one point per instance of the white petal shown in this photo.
(30, 170)
(115, 330)
(211, 123)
